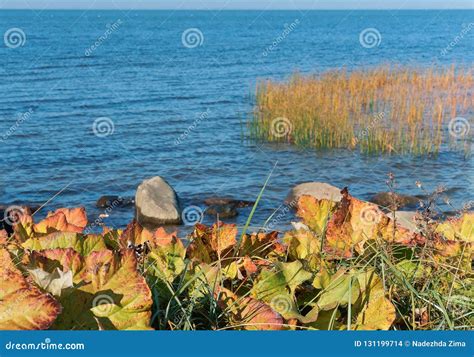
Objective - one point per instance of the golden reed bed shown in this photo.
(386, 109)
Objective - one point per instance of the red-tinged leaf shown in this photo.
(134, 235)
(23, 306)
(48, 260)
(352, 224)
(247, 313)
(161, 238)
(212, 243)
(255, 315)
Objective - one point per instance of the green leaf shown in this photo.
(342, 289)
(302, 244)
(111, 295)
(294, 274)
(378, 314)
(84, 245)
(461, 228)
(166, 261)
(277, 287)
(411, 269)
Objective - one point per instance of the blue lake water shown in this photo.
(179, 111)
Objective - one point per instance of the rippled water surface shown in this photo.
(179, 112)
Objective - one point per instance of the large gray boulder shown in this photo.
(156, 203)
(320, 190)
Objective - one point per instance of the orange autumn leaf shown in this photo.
(24, 306)
(3, 236)
(134, 234)
(348, 228)
(75, 216)
(162, 238)
(315, 213)
(261, 244)
(212, 243)
(354, 222)
(249, 266)
(63, 220)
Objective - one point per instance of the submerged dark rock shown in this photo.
(394, 201)
(222, 201)
(223, 210)
(225, 207)
(112, 201)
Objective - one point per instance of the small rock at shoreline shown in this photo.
(113, 201)
(319, 190)
(394, 201)
(223, 210)
(157, 203)
(221, 201)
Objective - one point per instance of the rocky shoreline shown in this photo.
(156, 204)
